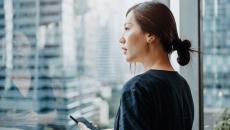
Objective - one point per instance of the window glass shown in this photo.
(60, 58)
(216, 62)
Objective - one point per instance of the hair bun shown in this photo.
(186, 44)
(183, 48)
(183, 45)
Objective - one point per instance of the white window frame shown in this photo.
(187, 16)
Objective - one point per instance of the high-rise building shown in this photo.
(216, 32)
(105, 36)
(42, 47)
(2, 47)
(5, 38)
(216, 58)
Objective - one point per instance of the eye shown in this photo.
(126, 28)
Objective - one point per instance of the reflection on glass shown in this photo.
(60, 57)
(216, 33)
(21, 105)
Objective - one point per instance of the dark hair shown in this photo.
(156, 18)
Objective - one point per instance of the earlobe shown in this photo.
(150, 38)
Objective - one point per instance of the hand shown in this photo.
(82, 126)
(26, 118)
(47, 117)
(23, 116)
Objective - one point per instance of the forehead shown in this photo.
(130, 18)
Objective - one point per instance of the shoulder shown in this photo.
(140, 90)
(141, 82)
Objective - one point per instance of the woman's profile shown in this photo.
(159, 98)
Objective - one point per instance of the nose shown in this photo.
(122, 40)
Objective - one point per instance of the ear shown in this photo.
(150, 38)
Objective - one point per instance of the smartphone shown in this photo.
(83, 120)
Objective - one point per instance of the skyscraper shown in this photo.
(216, 58)
(216, 31)
(44, 32)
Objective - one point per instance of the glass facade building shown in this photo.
(62, 57)
(216, 59)
(39, 66)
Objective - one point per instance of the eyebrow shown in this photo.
(127, 23)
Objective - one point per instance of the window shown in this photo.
(216, 60)
(62, 61)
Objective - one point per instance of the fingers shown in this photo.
(82, 126)
(93, 124)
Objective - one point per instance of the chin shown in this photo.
(130, 59)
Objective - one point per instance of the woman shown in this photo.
(20, 106)
(160, 98)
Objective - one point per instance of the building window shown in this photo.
(216, 61)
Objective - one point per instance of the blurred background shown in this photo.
(62, 57)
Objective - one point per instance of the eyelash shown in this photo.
(126, 28)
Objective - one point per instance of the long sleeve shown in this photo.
(155, 100)
(134, 109)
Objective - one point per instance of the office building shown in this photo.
(41, 42)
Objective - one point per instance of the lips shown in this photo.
(124, 50)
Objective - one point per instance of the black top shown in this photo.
(155, 100)
(13, 102)
(43, 101)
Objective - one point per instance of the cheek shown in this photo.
(136, 42)
(137, 48)
(133, 36)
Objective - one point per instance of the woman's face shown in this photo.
(133, 40)
(22, 50)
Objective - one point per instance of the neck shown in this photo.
(23, 85)
(22, 82)
(158, 61)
